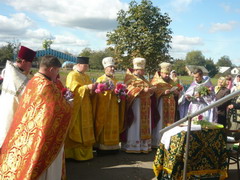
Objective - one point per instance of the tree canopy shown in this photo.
(224, 61)
(47, 43)
(179, 67)
(142, 31)
(95, 57)
(210, 66)
(8, 51)
(195, 58)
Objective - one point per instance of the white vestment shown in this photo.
(134, 143)
(54, 171)
(13, 85)
(197, 104)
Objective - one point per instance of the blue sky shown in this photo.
(211, 26)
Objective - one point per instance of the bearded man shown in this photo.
(166, 90)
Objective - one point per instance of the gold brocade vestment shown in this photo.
(80, 138)
(37, 132)
(108, 117)
(135, 86)
(169, 104)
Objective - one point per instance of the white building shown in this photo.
(235, 71)
(224, 70)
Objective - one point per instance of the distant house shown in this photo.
(224, 70)
(235, 71)
(190, 69)
(68, 64)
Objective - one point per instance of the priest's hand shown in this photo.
(188, 97)
(148, 90)
(91, 86)
(167, 92)
(230, 106)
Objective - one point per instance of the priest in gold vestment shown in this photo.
(33, 147)
(108, 114)
(165, 91)
(136, 137)
(80, 138)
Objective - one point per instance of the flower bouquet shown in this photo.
(67, 94)
(121, 91)
(203, 90)
(104, 86)
(199, 120)
(180, 87)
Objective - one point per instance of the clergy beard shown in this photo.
(166, 79)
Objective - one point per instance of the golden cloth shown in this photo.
(207, 157)
(108, 116)
(169, 104)
(37, 133)
(135, 86)
(80, 138)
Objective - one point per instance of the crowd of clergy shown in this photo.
(44, 121)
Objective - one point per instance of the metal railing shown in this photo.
(189, 119)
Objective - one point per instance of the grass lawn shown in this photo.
(94, 74)
(188, 80)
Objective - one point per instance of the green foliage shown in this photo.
(187, 80)
(86, 52)
(95, 57)
(142, 32)
(195, 58)
(7, 51)
(47, 44)
(179, 67)
(210, 66)
(203, 90)
(224, 61)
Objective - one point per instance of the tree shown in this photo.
(211, 67)
(142, 31)
(95, 57)
(224, 61)
(195, 58)
(47, 43)
(86, 52)
(179, 67)
(9, 51)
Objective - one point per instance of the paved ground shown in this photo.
(121, 166)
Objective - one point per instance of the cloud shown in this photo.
(238, 10)
(90, 14)
(69, 43)
(33, 38)
(230, 9)
(182, 44)
(222, 26)
(187, 40)
(15, 25)
(38, 34)
(63, 43)
(181, 5)
(69, 40)
(226, 7)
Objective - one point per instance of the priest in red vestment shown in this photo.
(34, 143)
